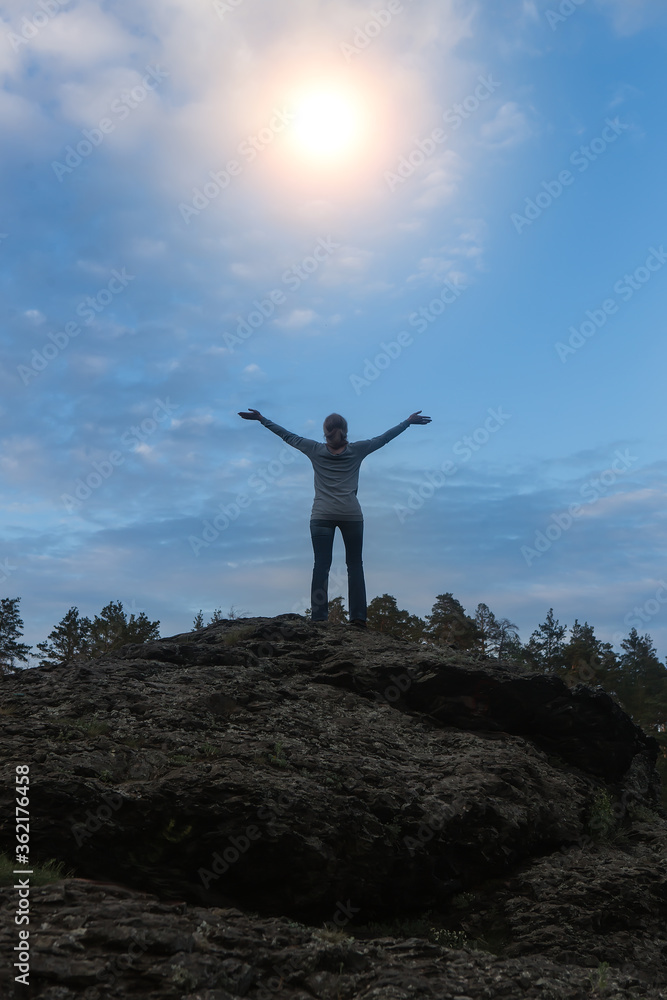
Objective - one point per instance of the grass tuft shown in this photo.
(42, 874)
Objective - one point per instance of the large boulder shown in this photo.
(296, 770)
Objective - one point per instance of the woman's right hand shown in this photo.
(251, 415)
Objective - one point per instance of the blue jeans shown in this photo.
(322, 534)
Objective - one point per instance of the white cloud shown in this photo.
(433, 270)
(93, 267)
(21, 458)
(35, 316)
(144, 246)
(240, 270)
(318, 212)
(508, 128)
(297, 319)
(89, 365)
(19, 115)
(617, 502)
(435, 196)
(349, 264)
(442, 266)
(624, 92)
(81, 36)
(630, 16)
(193, 423)
(254, 372)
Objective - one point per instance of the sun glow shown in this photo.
(339, 134)
(327, 125)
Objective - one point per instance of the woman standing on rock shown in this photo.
(336, 466)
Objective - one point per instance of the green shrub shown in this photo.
(42, 874)
(600, 979)
(601, 821)
(278, 756)
(239, 634)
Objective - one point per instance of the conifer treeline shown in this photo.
(74, 637)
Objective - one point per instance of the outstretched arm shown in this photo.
(378, 442)
(301, 444)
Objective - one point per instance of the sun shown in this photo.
(327, 125)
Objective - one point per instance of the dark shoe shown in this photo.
(358, 623)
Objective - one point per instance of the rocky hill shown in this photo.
(270, 808)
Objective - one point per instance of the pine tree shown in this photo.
(496, 636)
(216, 616)
(545, 646)
(582, 644)
(449, 624)
(642, 692)
(337, 612)
(140, 629)
(587, 660)
(67, 641)
(513, 651)
(11, 629)
(504, 639)
(487, 626)
(642, 681)
(385, 616)
(198, 621)
(111, 629)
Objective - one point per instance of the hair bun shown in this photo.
(335, 430)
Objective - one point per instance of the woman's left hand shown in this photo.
(414, 418)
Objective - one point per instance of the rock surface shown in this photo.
(260, 772)
(103, 941)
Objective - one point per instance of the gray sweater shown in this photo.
(336, 476)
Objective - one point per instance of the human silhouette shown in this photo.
(336, 466)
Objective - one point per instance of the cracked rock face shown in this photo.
(103, 941)
(273, 770)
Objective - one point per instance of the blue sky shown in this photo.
(316, 207)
